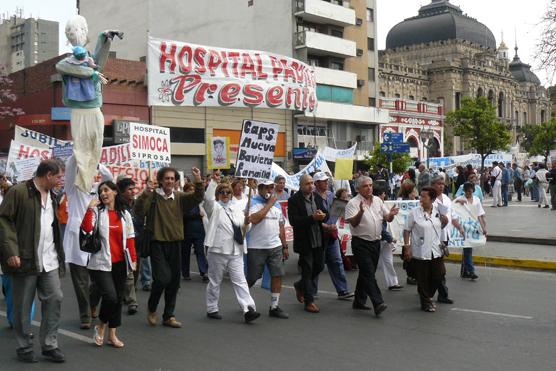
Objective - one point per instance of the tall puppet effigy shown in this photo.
(82, 80)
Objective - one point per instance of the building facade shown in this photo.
(27, 42)
(336, 37)
(442, 55)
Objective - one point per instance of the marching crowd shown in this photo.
(112, 239)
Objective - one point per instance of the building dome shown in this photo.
(440, 20)
(522, 71)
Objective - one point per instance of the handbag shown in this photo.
(238, 233)
(90, 242)
(148, 234)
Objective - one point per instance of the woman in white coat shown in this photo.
(225, 249)
(110, 266)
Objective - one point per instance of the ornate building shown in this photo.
(442, 55)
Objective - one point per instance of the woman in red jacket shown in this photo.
(110, 266)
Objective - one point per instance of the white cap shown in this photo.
(320, 176)
(266, 182)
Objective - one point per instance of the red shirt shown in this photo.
(115, 236)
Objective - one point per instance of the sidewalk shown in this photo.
(520, 222)
(513, 255)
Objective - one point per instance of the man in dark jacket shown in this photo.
(306, 216)
(31, 253)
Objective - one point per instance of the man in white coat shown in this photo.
(78, 201)
(496, 173)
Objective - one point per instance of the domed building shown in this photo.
(442, 55)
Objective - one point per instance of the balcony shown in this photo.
(322, 44)
(349, 112)
(328, 76)
(318, 11)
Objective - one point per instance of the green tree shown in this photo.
(400, 161)
(541, 138)
(476, 122)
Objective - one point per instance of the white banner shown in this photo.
(149, 142)
(35, 139)
(185, 74)
(331, 154)
(19, 151)
(256, 149)
(292, 181)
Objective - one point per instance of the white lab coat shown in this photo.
(78, 201)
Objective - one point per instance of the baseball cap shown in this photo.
(320, 176)
(266, 182)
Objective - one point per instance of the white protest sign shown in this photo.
(149, 142)
(469, 221)
(256, 149)
(25, 168)
(20, 150)
(331, 154)
(35, 139)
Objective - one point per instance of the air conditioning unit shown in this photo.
(358, 21)
(360, 83)
(359, 52)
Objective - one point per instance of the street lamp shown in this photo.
(426, 138)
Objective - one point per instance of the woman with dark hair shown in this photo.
(473, 205)
(423, 227)
(460, 179)
(110, 266)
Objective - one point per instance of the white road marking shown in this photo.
(492, 313)
(67, 333)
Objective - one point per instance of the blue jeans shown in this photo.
(535, 192)
(505, 195)
(467, 261)
(335, 266)
(146, 275)
(7, 286)
(199, 248)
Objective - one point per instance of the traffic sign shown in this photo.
(400, 148)
(393, 137)
(386, 147)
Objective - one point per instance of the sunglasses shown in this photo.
(224, 193)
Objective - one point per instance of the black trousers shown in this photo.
(429, 275)
(166, 266)
(312, 263)
(111, 286)
(366, 255)
(86, 292)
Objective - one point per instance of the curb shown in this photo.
(523, 240)
(506, 262)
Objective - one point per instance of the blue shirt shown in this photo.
(478, 192)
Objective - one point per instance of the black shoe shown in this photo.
(146, 287)
(380, 308)
(278, 313)
(466, 275)
(54, 355)
(132, 310)
(187, 278)
(445, 300)
(473, 276)
(204, 278)
(360, 306)
(346, 295)
(395, 288)
(411, 281)
(251, 315)
(27, 357)
(546, 206)
(214, 315)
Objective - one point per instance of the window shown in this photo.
(371, 74)
(336, 65)
(187, 135)
(397, 95)
(372, 102)
(458, 100)
(524, 118)
(424, 99)
(411, 97)
(338, 94)
(336, 33)
(370, 15)
(543, 116)
(382, 94)
(370, 44)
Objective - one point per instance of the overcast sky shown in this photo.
(507, 16)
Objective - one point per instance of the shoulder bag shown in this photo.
(90, 242)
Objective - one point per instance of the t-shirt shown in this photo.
(425, 232)
(266, 233)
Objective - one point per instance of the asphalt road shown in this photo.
(505, 320)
